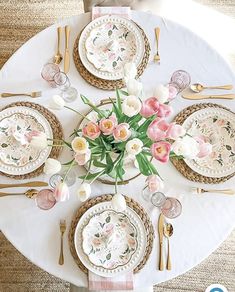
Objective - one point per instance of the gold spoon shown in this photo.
(58, 56)
(168, 231)
(197, 87)
(29, 193)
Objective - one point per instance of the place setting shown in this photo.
(124, 136)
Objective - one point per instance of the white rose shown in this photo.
(131, 106)
(134, 87)
(57, 102)
(80, 145)
(162, 93)
(134, 146)
(130, 71)
(84, 192)
(118, 202)
(39, 141)
(51, 166)
(186, 146)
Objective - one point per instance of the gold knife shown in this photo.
(66, 54)
(199, 96)
(160, 233)
(27, 184)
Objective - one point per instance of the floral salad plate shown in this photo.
(108, 242)
(109, 239)
(217, 125)
(107, 43)
(17, 157)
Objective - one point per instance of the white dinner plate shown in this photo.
(107, 43)
(217, 125)
(16, 156)
(84, 235)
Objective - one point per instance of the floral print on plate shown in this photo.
(110, 46)
(109, 239)
(14, 148)
(218, 128)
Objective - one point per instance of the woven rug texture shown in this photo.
(19, 21)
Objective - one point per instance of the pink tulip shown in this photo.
(157, 129)
(164, 111)
(154, 183)
(161, 151)
(107, 125)
(122, 132)
(61, 192)
(205, 148)
(91, 130)
(149, 107)
(175, 131)
(82, 158)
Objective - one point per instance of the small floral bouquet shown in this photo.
(132, 127)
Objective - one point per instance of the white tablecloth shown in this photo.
(206, 220)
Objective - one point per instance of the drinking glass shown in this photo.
(180, 79)
(70, 178)
(45, 199)
(48, 72)
(170, 207)
(68, 93)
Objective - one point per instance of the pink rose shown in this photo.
(175, 131)
(122, 132)
(149, 107)
(154, 183)
(82, 158)
(157, 129)
(91, 130)
(61, 192)
(164, 110)
(205, 148)
(107, 125)
(161, 151)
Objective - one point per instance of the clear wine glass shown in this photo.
(70, 178)
(48, 72)
(68, 93)
(45, 199)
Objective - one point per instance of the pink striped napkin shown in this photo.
(101, 11)
(121, 282)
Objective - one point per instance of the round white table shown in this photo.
(205, 221)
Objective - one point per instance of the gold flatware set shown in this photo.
(62, 231)
(33, 94)
(164, 229)
(29, 193)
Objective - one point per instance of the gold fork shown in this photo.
(200, 191)
(62, 231)
(33, 94)
(157, 56)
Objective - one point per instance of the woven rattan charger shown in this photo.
(57, 134)
(130, 203)
(180, 165)
(109, 84)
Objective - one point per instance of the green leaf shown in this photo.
(91, 175)
(108, 219)
(103, 154)
(146, 123)
(108, 256)
(116, 110)
(87, 101)
(119, 101)
(144, 168)
(99, 164)
(67, 144)
(123, 92)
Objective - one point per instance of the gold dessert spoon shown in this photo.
(197, 87)
(168, 231)
(29, 193)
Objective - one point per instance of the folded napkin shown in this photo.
(121, 282)
(101, 11)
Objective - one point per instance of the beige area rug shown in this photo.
(17, 274)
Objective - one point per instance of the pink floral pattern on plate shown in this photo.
(109, 239)
(111, 45)
(217, 126)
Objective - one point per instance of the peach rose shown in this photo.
(91, 130)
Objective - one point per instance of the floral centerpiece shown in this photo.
(132, 127)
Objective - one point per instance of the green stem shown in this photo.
(98, 175)
(88, 171)
(116, 184)
(67, 172)
(55, 145)
(77, 112)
